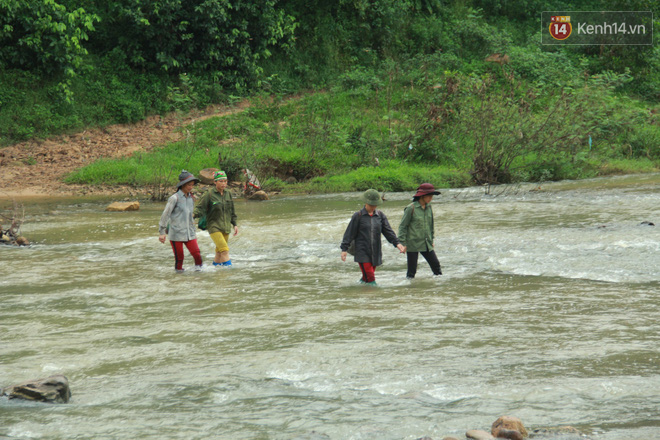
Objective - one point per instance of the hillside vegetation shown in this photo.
(344, 96)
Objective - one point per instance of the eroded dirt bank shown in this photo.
(36, 168)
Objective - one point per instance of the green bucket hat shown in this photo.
(219, 175)
(371, 197)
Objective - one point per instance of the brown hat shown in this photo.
(425, 189)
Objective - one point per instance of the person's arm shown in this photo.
(405, 222)
(202, 206)
(165, 217)
(389, 234)
(234, 219)
(350, 233)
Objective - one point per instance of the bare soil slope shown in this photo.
(36, 168)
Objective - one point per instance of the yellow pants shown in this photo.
(220, 239)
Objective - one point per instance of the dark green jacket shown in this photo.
(219, 211)
(416, 228)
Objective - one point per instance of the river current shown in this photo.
(547, 310)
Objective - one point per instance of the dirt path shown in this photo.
(36, 168)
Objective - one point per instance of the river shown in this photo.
(547, 311)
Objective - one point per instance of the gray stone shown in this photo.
(53, 389)
(478, 434)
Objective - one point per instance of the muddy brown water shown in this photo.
(547, 310)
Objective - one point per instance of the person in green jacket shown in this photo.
(416, 230)
(218, 207)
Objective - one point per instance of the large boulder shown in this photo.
(53, 389)
(508, 423)
(123, 206)
(206, 175)
(259, 195)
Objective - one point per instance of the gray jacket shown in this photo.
(179, 214)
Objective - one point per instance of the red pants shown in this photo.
(177, 247)
(368, 272)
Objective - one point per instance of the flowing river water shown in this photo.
(547, 311)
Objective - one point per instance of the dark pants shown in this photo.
(430, 258)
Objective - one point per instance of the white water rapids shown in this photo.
(547, 310)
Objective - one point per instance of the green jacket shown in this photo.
(416, 228)
(219, 211)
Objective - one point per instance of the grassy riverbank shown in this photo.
(391, 129)
(343, 96)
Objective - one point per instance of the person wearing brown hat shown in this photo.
(177, 224)
(416, 230)
(364, 229)
(218, 207)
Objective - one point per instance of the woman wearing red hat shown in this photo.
(416, 230)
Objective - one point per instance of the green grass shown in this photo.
(392, 131)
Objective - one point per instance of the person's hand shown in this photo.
(401, 248)
(235, 230)
(162, 238)
(343, 256)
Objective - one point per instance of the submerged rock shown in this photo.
(123, 206)
(647, 224)
(558, 433)
(54, 389)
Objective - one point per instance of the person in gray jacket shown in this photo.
(364, 229)
(177, 222)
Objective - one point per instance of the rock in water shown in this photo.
(511, 434)
(53, 389)
(206, 176)
(259, 195)
(123, 206)
(478, 434)
(509, 423)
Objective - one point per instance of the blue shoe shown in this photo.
(227, 263)
(218, 264)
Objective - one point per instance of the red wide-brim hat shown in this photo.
(425, 189)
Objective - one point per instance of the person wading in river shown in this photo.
(177, 222)
(365, 228)
(416, 230)
(218, 207)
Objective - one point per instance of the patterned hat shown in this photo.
(219, 175)
(185, 177)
